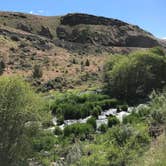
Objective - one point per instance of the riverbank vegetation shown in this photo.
(76, 106)
(120, 143)
(133, 77)
(26, 126)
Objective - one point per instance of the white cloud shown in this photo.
(37, 12)
(40, 11)
(31, 12)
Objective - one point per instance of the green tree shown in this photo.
(74, 61)
(20, 110)
(136, 75)
(37, 71)
(87, 63)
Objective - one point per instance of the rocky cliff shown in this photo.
(100, 31)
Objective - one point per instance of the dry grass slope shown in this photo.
(156, 156)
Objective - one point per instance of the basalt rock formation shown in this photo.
(100, 31)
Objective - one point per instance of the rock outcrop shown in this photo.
(75, 19)
(100, 31)
(45, 32)
(163, 43)
(24, 27)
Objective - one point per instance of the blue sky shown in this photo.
(148, 14)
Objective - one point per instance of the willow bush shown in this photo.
(136, 75)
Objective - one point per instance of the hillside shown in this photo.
(91, 92)
(63, 45)
(30, 23)
(155, 155)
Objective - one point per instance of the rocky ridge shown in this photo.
(103, 32)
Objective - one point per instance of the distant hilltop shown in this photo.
(76, 31)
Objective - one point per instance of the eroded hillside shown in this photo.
(70, 49)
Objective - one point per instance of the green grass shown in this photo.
(156, 155)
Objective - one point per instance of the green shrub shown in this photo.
(135, 76)
(76, 106)
(87, 63)
(74, 61)
(92, 122)
(15, 38)
(132, 118)
(44, 141)
(103, 128)
(137, 116)
(37, 71)
(121, 134)
(78, 130)
(60, 119)
(158, 50)
(107, 103)
(58, 131)
(118, 109)
(129, 143)
(47, 123)
(124, 107)
(95, 112)
(116, 157)
(158, 117)
(144, 112)
(112, 121)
